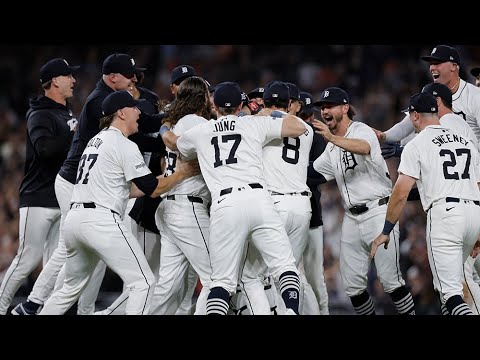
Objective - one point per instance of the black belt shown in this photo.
(360, 209)
(457, 200)
(91, 205)
(303, 193)
(194, 199)
(230, 189)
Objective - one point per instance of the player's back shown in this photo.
(449, 165)
(229, 149)
(459, 126)
(285, 162)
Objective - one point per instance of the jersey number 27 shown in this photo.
(452, 162)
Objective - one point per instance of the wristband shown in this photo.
(163, 129)
(387, 228)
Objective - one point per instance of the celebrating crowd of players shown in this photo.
(239, 160)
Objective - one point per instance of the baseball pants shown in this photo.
(312, 263)
(51, 277)
(473, 287)
(38, 235)
(295, 212)
(150, 244)
(450, 237)
(184, 228)
(99, 234)
(239, 216)
(358, 234)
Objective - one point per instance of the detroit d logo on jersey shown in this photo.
(72, 123)
(348, 160)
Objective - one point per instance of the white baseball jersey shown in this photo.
(360, 178)
(107, 155)
(285, 162)
(458, 126)
(233, 155)
(466, 103)
(444, 163)
(195, 185)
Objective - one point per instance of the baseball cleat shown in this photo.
(20, 310)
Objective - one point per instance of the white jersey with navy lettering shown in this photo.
(195, 185)
(285, 162)
(360, 178)
(229, 149)
(444, 163)
(107, 155)
(459, 126)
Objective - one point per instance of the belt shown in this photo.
(360, 209)
(455, 200)
(190, 198)
(303, 193)
(91, 205)
(230, 189)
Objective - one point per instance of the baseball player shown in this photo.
(354, 159)
(183, 217)
(229, 152)
(50, 128)
(312, 260)
(94, 228)
(445, 67)
(140, 212)
(445, 166)
(285, 163)
(118, 74)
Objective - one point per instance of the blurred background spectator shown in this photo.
(379, 79)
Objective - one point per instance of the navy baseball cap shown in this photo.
(307, 102)
(182, 72)
(119, 100)
(475, 71)
(56, 67)
(227, 94)
(443, 53)
(294, 93)
(441, 90)
(256, 93)
(333, 95)
(423, 103)
(276, 90)
(122, 64)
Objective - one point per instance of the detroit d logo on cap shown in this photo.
(308, 101)
(184, 70)
(433, 51)
(326, 94)
(132, 61)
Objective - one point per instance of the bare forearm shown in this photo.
(355, 146)
(170, 140)
(167, 183)
(135, 192)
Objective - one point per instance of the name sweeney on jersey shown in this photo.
(448, 138)
(95, 142)
(225, 125)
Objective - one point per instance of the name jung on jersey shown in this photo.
(225, 125)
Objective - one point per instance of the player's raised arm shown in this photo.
(355, 146)
(168, 137)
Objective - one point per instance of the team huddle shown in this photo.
(222, 188)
